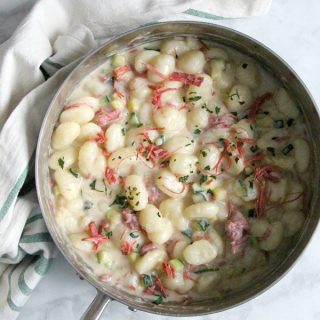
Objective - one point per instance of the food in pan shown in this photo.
(179, 169)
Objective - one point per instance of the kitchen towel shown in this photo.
(45, 47)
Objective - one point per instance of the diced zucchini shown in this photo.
(117, 103)
(133, 256)
(177, 265)
(56, 190)
(133, 105)
(105, 258)
(160, 141)
(114, 218)
(118, 60)
(199, 196)
(134, 120)
(219, 193)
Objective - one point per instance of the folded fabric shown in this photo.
(49, 42)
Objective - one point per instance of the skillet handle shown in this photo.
(97, 306)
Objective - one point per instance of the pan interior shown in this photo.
(275, 66)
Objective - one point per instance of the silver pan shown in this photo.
(225, 36)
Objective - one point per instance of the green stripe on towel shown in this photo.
(11, 304)
(53, 64)
(13, 193)
(34, 218)
(42, 266)
(202, 14)
(37, 237)
(21, 282)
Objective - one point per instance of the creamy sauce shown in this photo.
(178, 170)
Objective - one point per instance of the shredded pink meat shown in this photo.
(130, 220)
(224, 121)
(148, 247)
(154, 194)
(235, 227)
(105, 117)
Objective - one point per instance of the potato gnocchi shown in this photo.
(179, 169)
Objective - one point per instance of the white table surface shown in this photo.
(291, 29)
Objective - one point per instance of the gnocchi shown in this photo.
(177, 166)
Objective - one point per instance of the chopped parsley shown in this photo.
(236, 159)
(243, 187)
(278, 124)
(188, 233)
(287, 149)
(87, 205)
(61, 162)
(206, 270)
(184, 179)
(159, 300)
(236, 94)
(197, 131)
(195, 98)
(207, 167)
(106, 99)
(254, 149)
(74, 173)
(217, 109)
(120, 200)
(203, 225)
(134, 235)
(204, 106)
(93, 186)
(153, 49)
(251, 212)
(272, 151)
(123, 132)
(147, 280)
(203, 178)
(290, 122)
(107, 234)
(204, 152)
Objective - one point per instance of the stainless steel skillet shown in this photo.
(225, 36)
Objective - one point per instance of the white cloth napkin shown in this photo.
(33, 63)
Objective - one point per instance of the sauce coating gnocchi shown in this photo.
(179, 169)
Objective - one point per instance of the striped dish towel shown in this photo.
(49, 42)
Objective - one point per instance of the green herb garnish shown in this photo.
(87, 205)
(147, 280)
(251, 212)
(159, 300)
(197, 131)
(203, 225)
(272, 151)
(287, 149)
(195, 98)
(290, 122)
(206, 270)
(93, 186)
(203, 178)
(184, 179)
(134, 235)
(217, 109)
(153, 49)
(188, 233)
(61, 162)
(74, 173)
(278, 124)
(120, 200)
